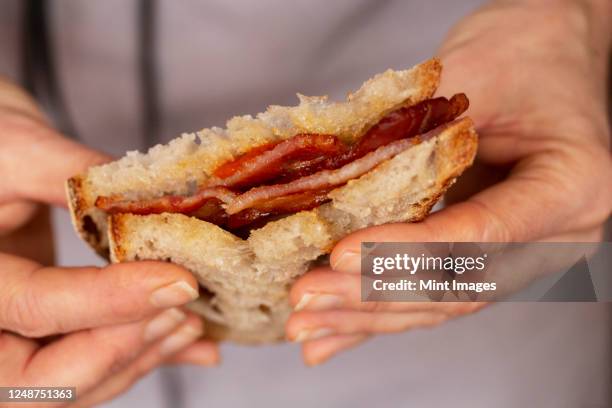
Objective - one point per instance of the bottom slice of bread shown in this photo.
(245, 283)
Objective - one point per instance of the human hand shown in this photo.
(96, 329)
(535, 73)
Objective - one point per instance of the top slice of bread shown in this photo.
(245, 282)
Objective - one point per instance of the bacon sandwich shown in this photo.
(249, 208)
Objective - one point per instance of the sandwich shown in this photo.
(251, 207)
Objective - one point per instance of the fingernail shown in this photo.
(314, 301)
(163, 324)
(179, 340)
(175, 294)
(312, 334)
(348, 261)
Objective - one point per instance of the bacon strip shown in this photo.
(277, 206)
(270, 163)
(169, 203)
(411, 121)
(320, 180)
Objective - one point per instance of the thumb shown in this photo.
(522, 208)
(35, 161)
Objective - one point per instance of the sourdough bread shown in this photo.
(245, 283)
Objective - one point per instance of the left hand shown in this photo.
(96, 329)
(537, 94)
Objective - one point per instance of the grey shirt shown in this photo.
(218, 58)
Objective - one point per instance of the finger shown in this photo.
(202, 353)
(33, 239)
(323, 289)
(304, 326)
(83, 359)
(35, 161)
(180, 339)
(15, 214)
(318, 351)
(14, 353)
(37, 302)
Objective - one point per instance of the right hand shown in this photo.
(535, 73)
(96, 329)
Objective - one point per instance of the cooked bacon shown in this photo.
(324, 179)
(306, 154)
(300, 170)
(410, 121)
(278, 206)
(231, 167)
(168, 203)
(211, 211)
(293, 202)
(271, 161)
(242, 222)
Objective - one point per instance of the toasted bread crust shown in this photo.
(88, 221)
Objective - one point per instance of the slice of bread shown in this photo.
(245, 283)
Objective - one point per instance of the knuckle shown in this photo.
(117, 278)
(590, 205)
(491, 226)
(372, 307)
(372, 325)
(497, 227)
(16, 214)
(25, 315)
(116, 355)
(123, 308)
(18, 126)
